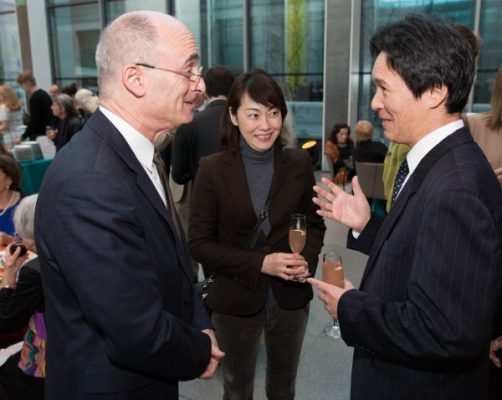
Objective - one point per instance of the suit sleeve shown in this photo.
(99, 242)
(448, 303)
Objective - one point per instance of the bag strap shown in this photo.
(255, 232)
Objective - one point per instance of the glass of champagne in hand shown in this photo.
(332, 273)
(297, 233)
(298, 236)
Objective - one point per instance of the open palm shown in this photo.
(350, 210)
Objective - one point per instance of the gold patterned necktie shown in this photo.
(161, 169)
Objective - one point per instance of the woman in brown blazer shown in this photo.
(256, 287)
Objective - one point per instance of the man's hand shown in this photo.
(216, 356)
(495, 345)
(498, 172)
(330, 294)
(350, 210)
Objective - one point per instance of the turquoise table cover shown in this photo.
(33, 174)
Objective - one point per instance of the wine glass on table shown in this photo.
(298, 235)
(332, 273)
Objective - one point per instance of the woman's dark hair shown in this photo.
(263, 89)
(337, 128)
(12, 169)
(426, 54)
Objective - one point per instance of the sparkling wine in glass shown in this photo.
(297, 233)
(332, 273)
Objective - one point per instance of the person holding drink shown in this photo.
(241, 208)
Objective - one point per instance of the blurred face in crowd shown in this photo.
(259, 125)
(5, 181)
(342, 136)
(57, 111)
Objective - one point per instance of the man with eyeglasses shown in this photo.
(123, 321)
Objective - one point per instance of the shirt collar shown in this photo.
(428, 142)
(142, 148)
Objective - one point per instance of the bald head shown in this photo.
(131, 38)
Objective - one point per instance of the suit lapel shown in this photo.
(110, 135)
(414, 183)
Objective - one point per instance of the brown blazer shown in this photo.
(222, 218)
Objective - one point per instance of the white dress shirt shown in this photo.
(426, 144)
(142, 148)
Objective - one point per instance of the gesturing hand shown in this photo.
(350, 210)
(495, 345)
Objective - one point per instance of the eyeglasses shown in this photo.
(191, 76)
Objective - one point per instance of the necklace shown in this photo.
(9, 204)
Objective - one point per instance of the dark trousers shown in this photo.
(17, 385)
(239, 338)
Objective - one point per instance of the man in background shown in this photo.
(200, 138)
(39, 106)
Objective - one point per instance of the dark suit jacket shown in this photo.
(195, 140)
(222, 217)
(121, 314)
(421, 323)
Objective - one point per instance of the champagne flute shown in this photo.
(297, 233)
(332, 273)
(297, 236)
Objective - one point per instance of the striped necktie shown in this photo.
(402, 173)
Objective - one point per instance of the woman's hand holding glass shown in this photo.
(288, 266)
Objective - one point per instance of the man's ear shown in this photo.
(133, 80)
(233, 118)
(436, 96)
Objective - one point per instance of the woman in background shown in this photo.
(10, 181)
(22, 376)
(11, 116)
(256, 283)
(69, 120)
(339, 146)
(486, 128)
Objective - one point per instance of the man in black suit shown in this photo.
(39, 106)
(421, 320)
(123, 321)
(201, 137)
(367, 150)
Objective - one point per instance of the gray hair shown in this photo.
(24, 217)
(65, 102)
(130, 34)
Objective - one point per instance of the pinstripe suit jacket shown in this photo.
(421, 322)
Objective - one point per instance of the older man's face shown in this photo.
(173, 95)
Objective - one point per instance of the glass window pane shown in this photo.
(10, 51)
(68, 2)
(114, 8)
(490, 57)
(287, 41)
(218, 29)
(376, 13)
(7, 5)
(74, 33)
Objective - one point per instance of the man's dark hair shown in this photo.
(218, 81)
(427, 53)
